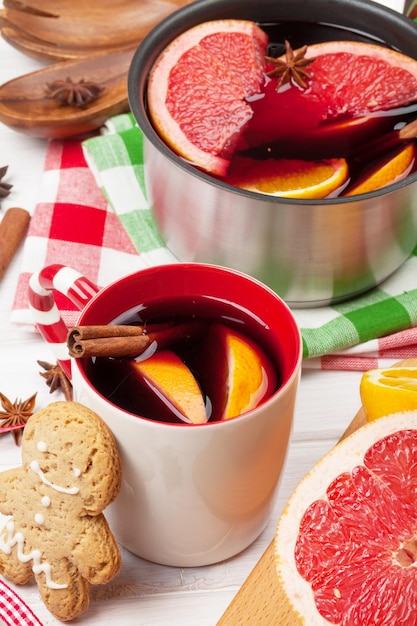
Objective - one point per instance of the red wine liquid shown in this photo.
(118, 381)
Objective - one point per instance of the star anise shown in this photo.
(292, 68)
(67, 92)
(4, 187)
(56, 379)
(15, 415)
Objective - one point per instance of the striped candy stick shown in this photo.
(46, 315)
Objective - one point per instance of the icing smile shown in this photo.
(35, 467)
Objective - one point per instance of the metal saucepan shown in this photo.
(311, 252)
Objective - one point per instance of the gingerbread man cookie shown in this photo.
(56, 530)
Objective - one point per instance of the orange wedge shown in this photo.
(386, 391)
(172, 381)
(290, 178)
(392, 170)
(239, 374)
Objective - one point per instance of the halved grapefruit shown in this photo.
(198, 85)
(349, 80)
(346, 544)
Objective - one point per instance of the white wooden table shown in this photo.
(146, 594)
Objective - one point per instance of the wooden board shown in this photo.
(258, 600)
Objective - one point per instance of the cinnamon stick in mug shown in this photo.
(80, 333)
(128, 341)
(13, 229)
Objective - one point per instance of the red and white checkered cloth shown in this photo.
(13, 611)
(378, 353)
(72, 225)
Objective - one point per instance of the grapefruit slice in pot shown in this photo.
(198, 85)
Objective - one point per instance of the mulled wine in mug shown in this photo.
(200, 475)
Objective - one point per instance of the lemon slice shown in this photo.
(386, 391)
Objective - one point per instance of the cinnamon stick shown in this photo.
(13, 229)
(79, 333)
(127, 341)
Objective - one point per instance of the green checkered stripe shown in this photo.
(116, 159)
(383, 310)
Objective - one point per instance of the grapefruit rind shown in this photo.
(298, 606)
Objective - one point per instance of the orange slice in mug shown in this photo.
(174, 384)
(238, 374)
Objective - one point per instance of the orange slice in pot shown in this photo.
(290, 178)
(392, 169)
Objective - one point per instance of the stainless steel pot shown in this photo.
(311, 252)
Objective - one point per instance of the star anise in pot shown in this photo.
(292, 68)
(78, 94)
(4, 187)
(15, 415)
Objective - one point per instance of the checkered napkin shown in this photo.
(72, 225)
(13, 611)
(108, 233)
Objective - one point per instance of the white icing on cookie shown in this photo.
(34, 466)
(76, 471)
(46, 501)
(39, 519)
(42, 447)
(12, 539)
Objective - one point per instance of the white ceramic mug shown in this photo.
(191, 494)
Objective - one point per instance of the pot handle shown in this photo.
(46, 314)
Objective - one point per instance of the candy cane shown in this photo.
(46, 315)
(13, 610)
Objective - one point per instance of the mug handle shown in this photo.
(46, 314)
